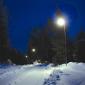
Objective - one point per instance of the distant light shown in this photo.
(26, 56)
(33, 50)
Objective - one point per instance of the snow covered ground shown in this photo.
(41, 74)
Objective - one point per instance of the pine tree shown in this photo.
(35, 41)
(3, 32)
(40, 40)
(80, 46)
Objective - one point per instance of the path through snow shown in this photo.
(24, 75)
(72, 74)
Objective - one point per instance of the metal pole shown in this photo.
(65, 44)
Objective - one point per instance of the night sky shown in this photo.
(27, 14)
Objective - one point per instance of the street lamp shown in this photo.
(61, 21)
(33, 49)
(26, 58)
(34, 52)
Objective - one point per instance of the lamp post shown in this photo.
(60, 21)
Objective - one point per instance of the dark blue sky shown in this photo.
(26, 14)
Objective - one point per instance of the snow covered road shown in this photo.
(24, 75)
(72, 74)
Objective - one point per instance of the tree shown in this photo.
(70, 50)
(35, 40)
(80, 46)
(58, 43)
(49, 42)
(16, 57)
(3, 32)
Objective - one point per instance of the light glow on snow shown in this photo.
(72, 74)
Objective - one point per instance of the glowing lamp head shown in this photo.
(33, 50)
(60, 21)
(26, 56)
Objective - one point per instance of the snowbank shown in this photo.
(72, 74)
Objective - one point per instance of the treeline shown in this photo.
(49, 42)
(7, 54)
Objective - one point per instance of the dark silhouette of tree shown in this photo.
(16, 57)
(6, 52)
(40, 40)
(58, 43)
(80, 46)
(3, 32)
(35, 40)
(49, 44)
(70, 51)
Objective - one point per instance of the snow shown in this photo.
(43, 74)
(72, 74)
